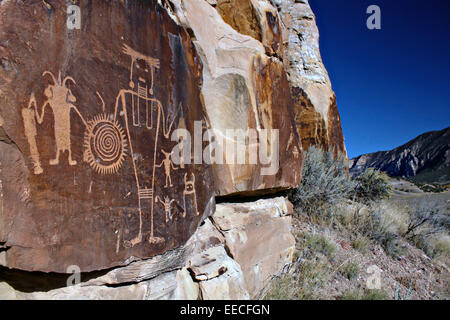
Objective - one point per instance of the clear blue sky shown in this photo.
(391, 84)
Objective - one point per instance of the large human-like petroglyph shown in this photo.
(153, 124)
(61, 101)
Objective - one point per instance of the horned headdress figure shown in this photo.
(61, 100)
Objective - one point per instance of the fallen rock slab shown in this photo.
(258, 237)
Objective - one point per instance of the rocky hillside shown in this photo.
(425, 159)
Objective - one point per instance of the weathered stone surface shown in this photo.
(186, 289)
(241, 15)
(162, 277)
(86, 119)
(176, 285)
(245, 87)
(210, 264)
(251, 64)
(316, 113)
(7, 292)
(258, 237)
(126, 292)
(220, 276)
(146, 269)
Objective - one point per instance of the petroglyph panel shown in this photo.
(89, 179)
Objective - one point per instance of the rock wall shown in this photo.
(88, 177)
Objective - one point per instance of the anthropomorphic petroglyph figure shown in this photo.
(167, 207)
(145, 113)
(29, 123)
(60, 99)
(189, 195)
(168, 165)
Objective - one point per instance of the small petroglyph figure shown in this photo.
(167, 207)
(168, 165)
(189, 195)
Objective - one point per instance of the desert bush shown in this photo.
(319, 243)
(282, 288)
(408, 294)
(428, 216)
(428, 187)
(350, 270)
(388, 223)
(361, 243)
(372, 185)
(439, 246)
(423, 221)
(428, 224)
(325, 181)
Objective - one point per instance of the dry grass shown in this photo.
(361, 243)
(377, 234)
(350, 270)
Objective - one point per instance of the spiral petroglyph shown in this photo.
(105, 145)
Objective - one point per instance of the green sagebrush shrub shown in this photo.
(372, 185)
(325, 181)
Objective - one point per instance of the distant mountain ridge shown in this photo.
(424, 159)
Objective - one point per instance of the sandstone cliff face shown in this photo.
(244, 86)
(87, 116)
(316, 112)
